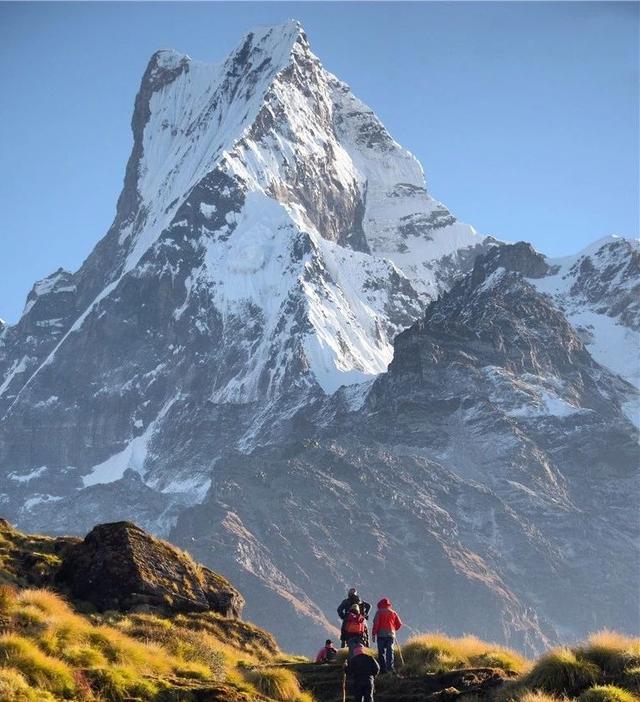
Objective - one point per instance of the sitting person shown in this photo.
(328, 653)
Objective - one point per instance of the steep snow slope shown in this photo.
(599, 291)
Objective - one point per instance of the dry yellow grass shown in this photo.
(562, 672)
(15, 688)
(438, 653)
(278, 683)
(536, 696)
(51, 653)
(49, 644)
(613, 653)
(39, 669)
(607, 693)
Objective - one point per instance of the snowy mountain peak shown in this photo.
(166, 60)
(221, 359)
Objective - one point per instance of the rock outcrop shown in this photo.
(120, 566)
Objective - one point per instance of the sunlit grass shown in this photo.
(436, 653)
(607, 693)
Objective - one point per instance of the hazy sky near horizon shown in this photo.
(523, 115)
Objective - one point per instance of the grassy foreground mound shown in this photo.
(605, 668)
(48, 653)
(440, 668)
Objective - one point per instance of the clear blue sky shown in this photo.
(524, 115)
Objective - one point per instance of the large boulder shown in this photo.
(121, 566)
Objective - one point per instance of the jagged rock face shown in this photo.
(211, 368)
(119, 566)
(599, 291)
(472, 473)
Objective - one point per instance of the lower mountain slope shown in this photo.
(55, 646)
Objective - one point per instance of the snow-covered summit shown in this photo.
(217, 146)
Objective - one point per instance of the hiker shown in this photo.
(385, 624)
(328, 653)
(362, 669)
(353, 598)
(354, 629)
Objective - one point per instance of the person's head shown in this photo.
(354, 608)
(328, 642)
(384, 603)
(352, 592)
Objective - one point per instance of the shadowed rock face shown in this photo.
(120, 566)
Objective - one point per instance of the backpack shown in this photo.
(354, 624)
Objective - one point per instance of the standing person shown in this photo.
(353, 598)
(354, 629)
(385, 624)
(328, 653)
(362, 670)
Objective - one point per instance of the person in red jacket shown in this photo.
(385, 624)
(354, 629)
(328, 653)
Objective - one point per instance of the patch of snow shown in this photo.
(528, 396)
(17, 367)
(132, 456)
(612, 344)
(208, 210)
(26, 477)
(39, 499)
(196, 487)
(355, 395)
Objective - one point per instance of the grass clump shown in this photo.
(613, 653)
(503, 658)
(118, 683)
(607, 693)
(277, 683)
(562, 672)
(50, 653)
(536, 696)
(630, 679)
(8, 597)
(437, 653)
(15, 688)
(39, 669)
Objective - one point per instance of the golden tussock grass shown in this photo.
(607, 693)
(38, 668)
(613, 653)
(277, 683)
(562, 672)
(15, 688)
(435, 653)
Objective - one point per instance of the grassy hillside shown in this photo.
(48, 653)
(55, 648)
